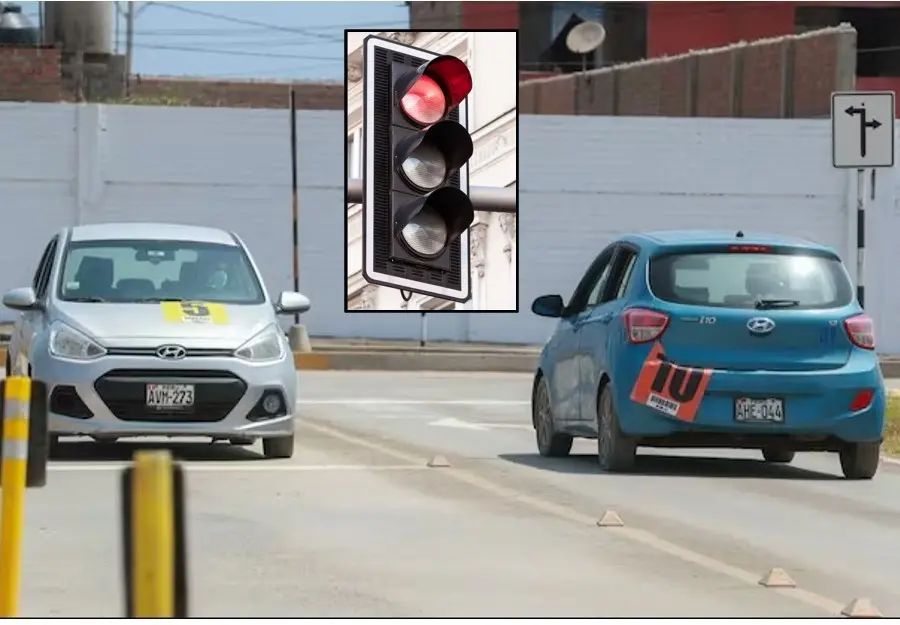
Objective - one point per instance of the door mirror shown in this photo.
(21, 299)
(290, 302)
(548, 306)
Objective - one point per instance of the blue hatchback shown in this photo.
(711, 339)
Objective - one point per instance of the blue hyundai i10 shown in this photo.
(711, 340)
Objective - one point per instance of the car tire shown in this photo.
(278, 447)
(859, 461)
(615, 451)
(241, 441)
(550, 443)
(778, 455)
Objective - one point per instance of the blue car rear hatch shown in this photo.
(746, 307)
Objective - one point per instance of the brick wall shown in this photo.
(43, 75)
(29, 74)
(239, 94)
(782, 77)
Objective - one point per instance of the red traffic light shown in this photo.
(434, 89)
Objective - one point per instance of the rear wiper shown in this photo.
(86, 300)
(763, 304)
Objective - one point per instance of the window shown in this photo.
(597, 291)
(148, 271)
(740, 280)
(354, 155)
(627, 263)
(46, 268)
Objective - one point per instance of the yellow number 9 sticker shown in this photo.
(194, 312)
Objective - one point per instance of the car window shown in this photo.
(591, 283)
(599, 287)
(35, 281)
(147, 270)
(740, 280)
(625, 266)
(46, 269)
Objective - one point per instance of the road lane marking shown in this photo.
(646, 538)
(238, 466)
(413, 402)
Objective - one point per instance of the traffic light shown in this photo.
(416, 148)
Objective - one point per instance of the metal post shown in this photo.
(861, 236)
(484, 199)
(294, 205)
(129, 44)
(153, 531)
(17, 403)
(423, 330)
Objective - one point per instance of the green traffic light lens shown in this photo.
(426, 233)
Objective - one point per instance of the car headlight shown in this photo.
(67, 342)
(266, 345)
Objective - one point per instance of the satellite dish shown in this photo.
(586, 37)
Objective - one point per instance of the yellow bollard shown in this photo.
(153, 524)
(153, 546)
(13, 475)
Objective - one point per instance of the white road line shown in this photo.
(237, 466)
(412, 402)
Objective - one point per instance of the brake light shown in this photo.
(861, 331)
(749, 249)
(642, 326)
(862, 400)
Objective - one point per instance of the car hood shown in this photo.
(147, 325)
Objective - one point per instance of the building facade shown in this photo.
(491, 57)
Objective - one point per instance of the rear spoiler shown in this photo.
(746, 248)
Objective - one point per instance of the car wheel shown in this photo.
(278, 447)
(859, 461)
(241, 441)
(550, 443)
(615, 451)
(778, 455)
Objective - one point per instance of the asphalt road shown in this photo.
(356, 524)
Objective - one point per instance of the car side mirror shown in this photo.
(21, 299)
(290, 302)
(548, 306)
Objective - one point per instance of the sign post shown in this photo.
(862, 137)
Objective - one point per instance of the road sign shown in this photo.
(862, 129)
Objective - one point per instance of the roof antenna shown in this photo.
(740, 234)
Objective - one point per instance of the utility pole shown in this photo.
(129, 44)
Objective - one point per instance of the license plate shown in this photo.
(163, 396)
(752, 410)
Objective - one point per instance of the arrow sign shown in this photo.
(862, 129)
(863, 125)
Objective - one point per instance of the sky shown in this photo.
(258, 39)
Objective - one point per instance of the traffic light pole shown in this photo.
(484, 199)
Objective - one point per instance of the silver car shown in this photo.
(157, 330)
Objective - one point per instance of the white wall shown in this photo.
(583, 181)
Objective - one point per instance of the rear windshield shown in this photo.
(750, 280)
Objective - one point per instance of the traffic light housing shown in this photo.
(416, 148)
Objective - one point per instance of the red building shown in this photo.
(651, 29)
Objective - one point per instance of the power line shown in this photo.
(236, 20)
(270, 55)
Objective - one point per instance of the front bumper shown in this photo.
(106, 396)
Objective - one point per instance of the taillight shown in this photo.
(861, 331)
(862, 400)
(643, 325)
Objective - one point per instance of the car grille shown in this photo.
(151, 352)
(216, 393)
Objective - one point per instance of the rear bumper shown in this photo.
(816, 406)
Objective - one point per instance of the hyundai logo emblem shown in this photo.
(760, 325)
(171, 352)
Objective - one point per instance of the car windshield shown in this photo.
(751, 280)
(150, 271)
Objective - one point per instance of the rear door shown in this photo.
(750, 307)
